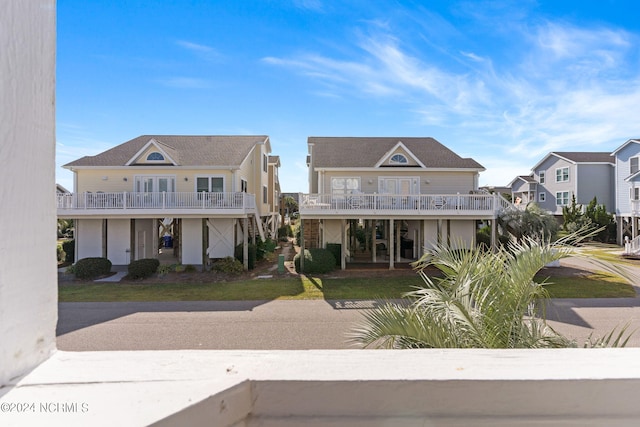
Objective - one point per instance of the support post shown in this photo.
(374, 246)
(245, 243)
(343, 249)
(494, 234)
(391, 244)
(301, 246)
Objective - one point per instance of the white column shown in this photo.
(390, 243)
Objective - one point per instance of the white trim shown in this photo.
(415, 182)
(141, 176)
(151, 166)
(614, 152)
(385, 157)
(144, 148)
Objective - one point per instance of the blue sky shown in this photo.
(504, 82)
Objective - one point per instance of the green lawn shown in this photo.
(595, 285)
(600, 285)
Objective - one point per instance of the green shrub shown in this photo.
(336, 251)
(59, 253)
(238, 253)
(316, 260)
(69, 249)
(264, 247)
(284, 232)
(90, 268)
(164, 269)
(190, 268)
(143, 268)
(228, 265)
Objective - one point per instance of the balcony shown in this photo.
(415, 205)
(127, 204)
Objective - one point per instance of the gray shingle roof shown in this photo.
(185, 150)
(586, 157)
(345, 152)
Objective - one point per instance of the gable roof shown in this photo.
(632, 140)
(576, 157)
(366, 152)
(529, 179)
(184, 150)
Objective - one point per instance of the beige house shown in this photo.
(195, 197)
(386, 199)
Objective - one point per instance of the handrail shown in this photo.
(631, 246)
(164, 200)
(406, 202)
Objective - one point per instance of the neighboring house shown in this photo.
(386, 199)
(561, 175)
(208, 194)
(627, 189)
(61, 190)
(523, 190)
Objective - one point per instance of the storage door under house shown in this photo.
(221, 242)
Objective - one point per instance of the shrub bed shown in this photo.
(69, 249)
(238, 253)
(143, 268)
(90, 268)
(316, 260)
(228, 265)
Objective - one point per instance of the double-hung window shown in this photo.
(634, 193)
(562, 198)
(542, 197)
(541, 176)
(633, 164)
(562, 174)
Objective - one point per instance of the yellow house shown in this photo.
(194, 197)
(385, 199)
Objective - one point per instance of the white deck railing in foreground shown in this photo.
(415, 203)
(125, 200)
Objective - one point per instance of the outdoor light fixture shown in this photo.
(125, 179)
(104, 178)
(186, 178)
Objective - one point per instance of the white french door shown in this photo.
(155, 184)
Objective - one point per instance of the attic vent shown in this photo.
(155, 157)
(398, 159)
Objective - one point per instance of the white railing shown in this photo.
(422, 203)
(125, 200)
(631, 247)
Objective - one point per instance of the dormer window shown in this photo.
(398, 159)
(155, 157)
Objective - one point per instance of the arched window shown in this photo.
(398, 159)
(155, 157)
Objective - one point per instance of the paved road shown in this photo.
(276, 324)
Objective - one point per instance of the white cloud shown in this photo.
(204, 52)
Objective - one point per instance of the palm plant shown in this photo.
(481, 299)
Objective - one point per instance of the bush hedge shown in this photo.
(143, 268)
(69, 249)
(90, 268)
(228, 265)
(284, 232)
(316, 260)
(238, 253)
(336, 250)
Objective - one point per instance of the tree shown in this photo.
(483, 300)
(573, 217)
(290, 204)
(532, 222)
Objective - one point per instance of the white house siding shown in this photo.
(596, 180)
(118, 241)
(430, 237)
(192, 241)
(28, 292)
(462, 234)
(89, 241)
